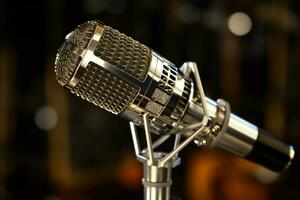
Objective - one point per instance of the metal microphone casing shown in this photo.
(125, 77)
(158, 87)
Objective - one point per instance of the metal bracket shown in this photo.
(220, 124)
(148, 155)
(157, 165)
(191, 67)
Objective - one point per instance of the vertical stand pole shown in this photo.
(157, 181)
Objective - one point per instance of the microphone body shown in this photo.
(117, 73)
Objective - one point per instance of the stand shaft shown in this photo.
(157, 182)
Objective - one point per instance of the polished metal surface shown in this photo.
(117, 73)
(163, 91)
(166, 97)
(157, 182)
(166, 93)
(292, 155)
(94, 79)
(240, 135)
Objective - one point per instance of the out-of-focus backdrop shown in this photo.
(55, 146)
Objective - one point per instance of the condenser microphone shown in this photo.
(121, 75)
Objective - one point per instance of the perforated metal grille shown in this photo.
(104, 89)
(65, 65)
(82, 34)
(67, 61)
(124, 52)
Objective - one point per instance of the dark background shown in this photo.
(82, 152)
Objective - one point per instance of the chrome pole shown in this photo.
(157, 180)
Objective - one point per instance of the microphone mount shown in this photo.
(158, 165)
(124, 77)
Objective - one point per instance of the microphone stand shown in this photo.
(158, 165)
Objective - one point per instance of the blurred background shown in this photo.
(54, 146)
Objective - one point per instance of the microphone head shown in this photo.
(121, 75)
(66, 59)
(83, 65)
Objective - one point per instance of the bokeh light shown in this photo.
(239, 23)
(45, 118)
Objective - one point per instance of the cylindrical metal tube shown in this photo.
(247, 140)
(157, 180)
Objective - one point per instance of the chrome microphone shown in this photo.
(121, 75)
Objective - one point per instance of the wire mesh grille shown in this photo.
(67, 61)
(104, 89)
(124, 52)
